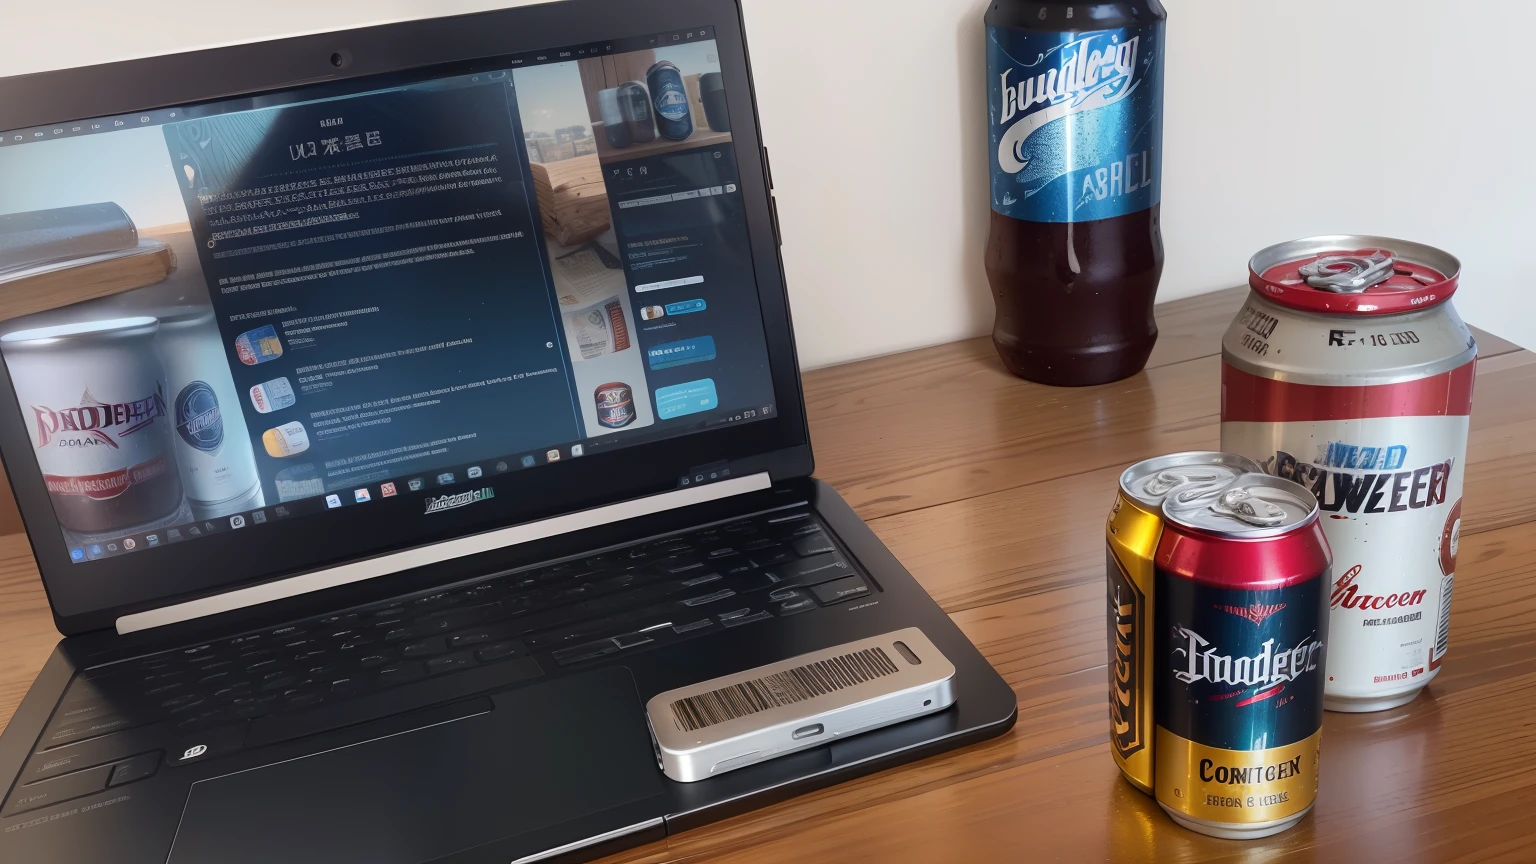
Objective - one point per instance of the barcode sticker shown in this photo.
(781, 688)
(1443, 626)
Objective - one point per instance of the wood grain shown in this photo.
(148, 263)
(992, 491)
(573, 200)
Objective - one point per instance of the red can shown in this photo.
(1241, 612)
(1349, 371)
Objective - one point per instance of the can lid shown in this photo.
(1354, 274)
(1184, 478)
(1252, 507)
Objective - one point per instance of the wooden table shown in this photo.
(993, 492)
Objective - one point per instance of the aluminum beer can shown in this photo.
(94, 398)
(1348, 371)
(1240, 644)
(1134, 528)
(670, 99)
(212, 445)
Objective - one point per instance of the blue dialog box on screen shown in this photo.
(690, 398)
(686, 306)
(695, 350)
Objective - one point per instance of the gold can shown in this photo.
(1132, 533)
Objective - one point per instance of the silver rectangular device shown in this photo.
(737, 720)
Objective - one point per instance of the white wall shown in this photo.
(1284, 120)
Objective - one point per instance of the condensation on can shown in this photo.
(615, 405)
(1349, 371)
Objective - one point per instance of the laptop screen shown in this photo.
(222, 316)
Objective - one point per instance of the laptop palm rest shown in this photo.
(544, 755)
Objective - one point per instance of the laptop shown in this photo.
(407, 427)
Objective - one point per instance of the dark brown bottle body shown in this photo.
(1074, 299)
(1074, 293)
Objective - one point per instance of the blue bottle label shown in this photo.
(1076, 122)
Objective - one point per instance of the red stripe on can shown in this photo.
(1254, 399)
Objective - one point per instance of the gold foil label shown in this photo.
(1132, 535)
(1236, 787)
(1128, 729)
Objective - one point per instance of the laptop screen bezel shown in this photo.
(453, 45)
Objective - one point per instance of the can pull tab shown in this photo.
(1348, 274)
(1244, 506)
(1184, 488)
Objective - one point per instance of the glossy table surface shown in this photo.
(993, 492)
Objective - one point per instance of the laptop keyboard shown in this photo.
(118, 723)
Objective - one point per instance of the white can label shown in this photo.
(1389, 488)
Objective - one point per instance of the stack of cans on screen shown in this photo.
(1309, 566)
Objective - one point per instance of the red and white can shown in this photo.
(1349, 372)
(93, 395)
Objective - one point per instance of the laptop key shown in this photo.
(401, 673)
(356, 642)
(303, 698)
(344, 687)
(500, 650)
(772, 556)
(425, 648)
(801, 530)
(795, 605)
(138, 768)
(709, 598)
(586, 651)
(451, 662)
(696, 625)
(631, 640)
(812, 571)
(815, 544)
(842, 589)
(676, 564)
(474, 637)
(375, 659)
(747, 619)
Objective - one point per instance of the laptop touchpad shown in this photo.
(545, 755)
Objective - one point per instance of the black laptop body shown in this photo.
(395, 413)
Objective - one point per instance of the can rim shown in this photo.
(1307, 299)
(1254, 532)
(1184, 458)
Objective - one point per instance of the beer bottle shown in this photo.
(1075, 248)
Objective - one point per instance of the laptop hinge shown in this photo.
(384, 565)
